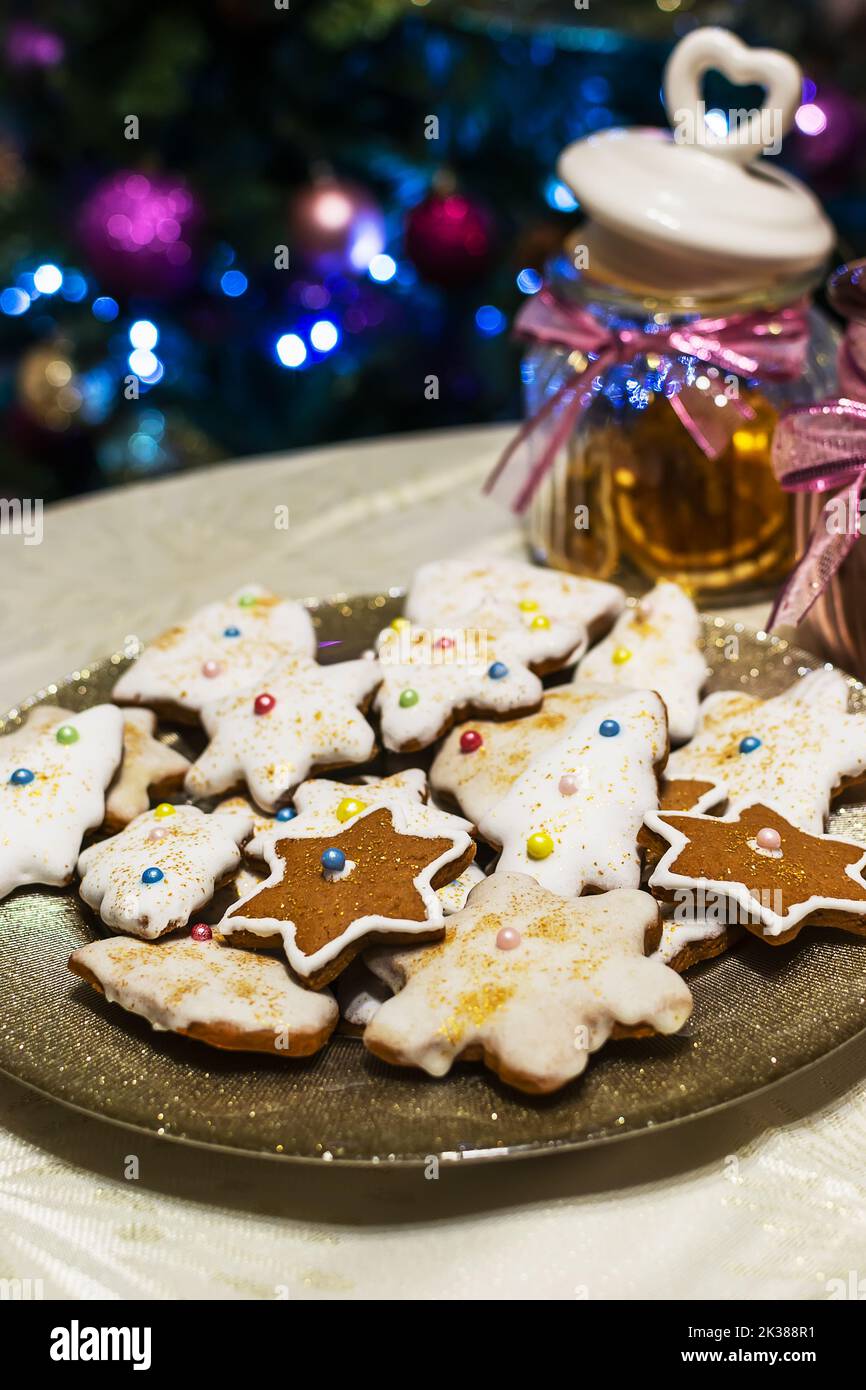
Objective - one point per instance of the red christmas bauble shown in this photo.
(450, 238)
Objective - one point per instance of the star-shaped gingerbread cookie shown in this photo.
(329, 895)
(772, 877)
(222, 648)
(528, 982)
(792, 752)
(271, 736)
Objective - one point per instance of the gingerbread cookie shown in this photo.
(166, 865)
(330, 895)
(53, 776)
(222, 648)
(572, 819)
(548, 616)
(149, 765)
(529, 983)
(792, 752)
(430, 677)
(654, 646)
(238, 1000)
(479, 761)
(769, 876)
(302, 716)
(689, 937)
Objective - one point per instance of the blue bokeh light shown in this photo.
(48, 278)
(559, 197)
(489, 320)
(104, 308)
(529, 281)
(14, 301)
(143, 334)
(234, 283)
(324, 335)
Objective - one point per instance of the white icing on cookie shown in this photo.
(510, 597)
(147, 763)
(222, 648)
(43, 818)
(454, 894)
(308, 966)
(315, 721)
(808, 744)
(236, 999)
(536, 1007)
(424, 685)
(323, 807)
(193, 853)
(479, 778)
(654, 646)
(586, 797)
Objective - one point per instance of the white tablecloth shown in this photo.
(767, 1199)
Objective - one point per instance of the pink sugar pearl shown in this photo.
(158, 832)
(568, 784)
(507, 938)
(768, 838)
(211, 669)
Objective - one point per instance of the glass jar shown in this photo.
(631, 494)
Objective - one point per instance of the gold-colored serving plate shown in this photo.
(760, 1012)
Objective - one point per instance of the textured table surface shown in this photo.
(766, 1199)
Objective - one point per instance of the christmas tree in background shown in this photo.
(235, 226)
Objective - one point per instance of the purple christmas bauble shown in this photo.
(140, 233)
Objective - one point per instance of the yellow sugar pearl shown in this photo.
(400, 624)
(539, 845)
(620, 656)
(527, 605)
(164, 809)
(350, 806)
(540, 621)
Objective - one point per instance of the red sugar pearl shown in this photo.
(470, 741)
(201, 932)
(264, 704)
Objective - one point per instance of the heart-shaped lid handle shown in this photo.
(694, 210)
(752, 132)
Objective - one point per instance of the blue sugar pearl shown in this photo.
(497, 671)
(608, 728)
(21, 776)
(748, 745)
(286, 813)
(333, 860)
(231, 632)
(152, 876)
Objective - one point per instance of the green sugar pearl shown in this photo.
(66, 734)
(408, 697)
(247, 601)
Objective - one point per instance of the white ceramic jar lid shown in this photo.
(704, 197)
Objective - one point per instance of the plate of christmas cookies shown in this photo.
(504, 864)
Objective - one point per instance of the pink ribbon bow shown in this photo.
(816, 448)
(771, 345)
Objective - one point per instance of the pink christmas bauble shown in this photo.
(140, 233)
